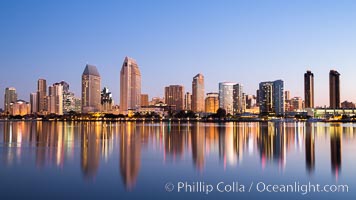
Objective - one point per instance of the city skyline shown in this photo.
(260, 38)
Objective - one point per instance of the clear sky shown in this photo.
(241, 41)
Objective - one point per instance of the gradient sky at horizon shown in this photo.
(241, 41)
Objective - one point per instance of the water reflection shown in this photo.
(309, 148)
(335, 147)
(130, 154)
(131, 145)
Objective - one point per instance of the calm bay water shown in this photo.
(102, 160)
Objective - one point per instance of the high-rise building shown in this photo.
(198, 103)
(41, 95)
(55, 99)
(91, 83)
(33, 102)
(69, 99)
(238, 99)
(211, 102)
(266, 97)
(226, 96)
(297, 103)
(10, 97)
(19, 107)
(65, 86)
(250, 101)
(70, 103)
(130, 86)
(334, 88)
(144, 100)
(174, 96)
(187, 101)
(286, 95)
(106, 100)
(309, 89)
(271, 97)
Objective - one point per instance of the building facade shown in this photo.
(41, 95)
(309, 89)
(106, 100)
(187, 101)
(33, 103)
(91, 83)
(130, 86)
(334, 89)
(19, 107)
(211, 102)
(55, 99)
(271, 97)
(226, 96)
(296, 104)
(174, 97)
(198, 93)
(10, 97)
(239, 103)
(144, 100)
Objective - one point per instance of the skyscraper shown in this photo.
(266, 97)
(173, 95)
(33, 102)
(144, 100)
(106, 100)
(198, 103)
(238, 98)
(334, 88)
(91, 82)
(271, 97)
(211, 102)
(226, 96)
(41, 95)
(130, 86)
(55, 99)
(188, 101)
(309, 89)
(278, 94)
(10, 97)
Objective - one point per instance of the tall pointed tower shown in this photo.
(130, 86)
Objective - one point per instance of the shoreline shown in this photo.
(286, 120)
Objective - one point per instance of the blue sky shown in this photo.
(241, 41)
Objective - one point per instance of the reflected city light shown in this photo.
(97, 144)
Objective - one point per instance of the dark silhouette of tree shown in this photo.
(221, 113)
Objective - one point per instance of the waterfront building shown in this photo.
(239, 103)
(211, 102)
(55, 99)
(334, 89)
(130, 86)
(198, 103)
(10, 97)
(347, 104)
(144, 100)
(41, 95)
(188, 101)
(19, 107)
(91, 83)
(309, 89)
(174, 97)
(296, 104)
(106, 100)
(33, 102)
(156, 100)
(271, 97)
(226, 96)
